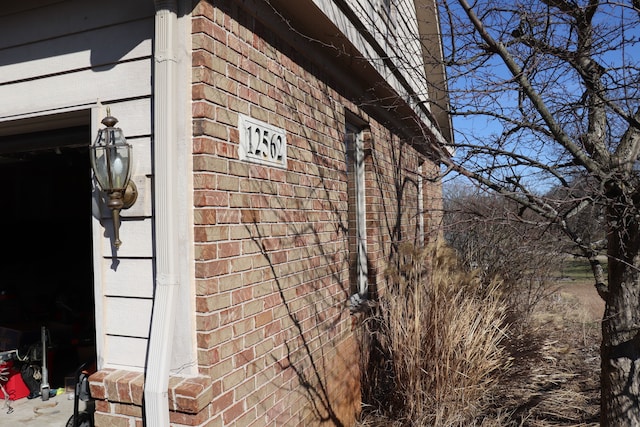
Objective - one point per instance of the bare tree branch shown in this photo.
(533, 96)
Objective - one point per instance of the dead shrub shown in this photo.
(491, 237)
(433, 342)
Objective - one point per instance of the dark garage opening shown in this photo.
(46, 264)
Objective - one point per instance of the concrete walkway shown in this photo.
(55, 412)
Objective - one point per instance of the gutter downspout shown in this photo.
(156, 403)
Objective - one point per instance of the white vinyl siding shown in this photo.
(385, 32)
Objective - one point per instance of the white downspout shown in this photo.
(156, 405)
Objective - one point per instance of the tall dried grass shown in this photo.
(433, 342)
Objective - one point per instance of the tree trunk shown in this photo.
(620, 349)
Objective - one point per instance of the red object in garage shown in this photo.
(14, 386)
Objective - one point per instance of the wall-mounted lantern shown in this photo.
(110, 157)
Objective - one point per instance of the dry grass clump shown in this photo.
(554, 378)
(433, 343)
(568, 377)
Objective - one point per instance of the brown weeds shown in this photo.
(433, 342)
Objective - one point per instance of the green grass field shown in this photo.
(578, 269)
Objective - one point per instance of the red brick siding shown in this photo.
(271, 268)
(392, 205)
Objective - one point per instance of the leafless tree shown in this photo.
(503, 245)
(551, 93)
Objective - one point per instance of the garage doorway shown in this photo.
(47, 265)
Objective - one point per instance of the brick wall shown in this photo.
(271, 270)
(393, 208)
(273, 273)
(276, 342)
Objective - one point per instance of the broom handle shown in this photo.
(45, 372)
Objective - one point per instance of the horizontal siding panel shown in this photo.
(16, 7)
(135, 235)
(142, 207)
(400, 31)
(141, 149)
(129, 317)
(80, 51)
(127, 80)
(124, 352)
(68, 17)
(133, 278)
(134, 116)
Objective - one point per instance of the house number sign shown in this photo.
(262, 143)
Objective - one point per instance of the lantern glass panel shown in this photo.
(111, 159)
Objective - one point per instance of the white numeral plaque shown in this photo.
(262, 143)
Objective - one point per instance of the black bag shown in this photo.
(32, 377)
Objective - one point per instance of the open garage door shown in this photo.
(46, 263)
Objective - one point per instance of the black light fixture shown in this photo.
(111, 158)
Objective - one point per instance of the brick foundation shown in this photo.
(119, 398)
